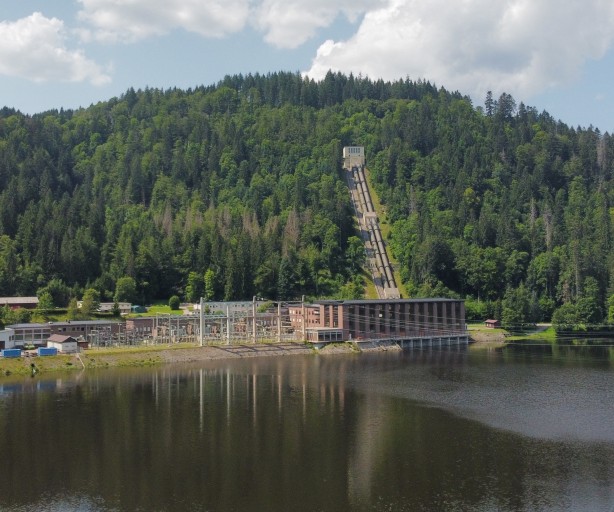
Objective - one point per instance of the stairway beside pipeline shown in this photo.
(368, 223)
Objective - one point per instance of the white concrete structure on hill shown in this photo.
(353, 156)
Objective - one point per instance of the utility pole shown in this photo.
(254, 319)
(303, 322)
(279, 322)
(202, 322)
(227, 325)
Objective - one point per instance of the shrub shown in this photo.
(174, 302)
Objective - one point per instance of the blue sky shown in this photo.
(555, 56)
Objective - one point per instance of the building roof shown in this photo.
(28, 326)
(323, 329)
(18, 300)
(363, 302)
(48, 325)
(141, 319)
(59, 338)
(85, 322)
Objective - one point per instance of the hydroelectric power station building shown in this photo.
(440, 320)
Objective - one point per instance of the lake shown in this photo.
(524, 428)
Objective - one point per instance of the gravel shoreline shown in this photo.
(169, 354)
(184, 355)
(157, 355)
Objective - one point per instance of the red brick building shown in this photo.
(337, 320)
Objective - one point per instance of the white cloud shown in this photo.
(284, 23)
(289, 23)
(132, 20)
(34, 48)
(518, 46)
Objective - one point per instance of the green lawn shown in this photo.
(543, 333)
(158, 308)
(548, 334)
(370, 290)
(62, 316)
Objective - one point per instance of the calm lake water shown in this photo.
(519, 429)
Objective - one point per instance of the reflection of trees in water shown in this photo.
(590, 351)
(307, 433)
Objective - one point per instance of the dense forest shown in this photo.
(235, 190)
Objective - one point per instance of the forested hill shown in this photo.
(235, 190)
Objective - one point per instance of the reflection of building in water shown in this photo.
(373, 416)
(375, 425)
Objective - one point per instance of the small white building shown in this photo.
(106, 307)
(234, 308)
(64, 344)
(7, 338)
(353, 156)
(124, 307)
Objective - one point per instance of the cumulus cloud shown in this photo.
(284, 23)
(518, 46)
(35, 48)
(132, 20)
(289, 23)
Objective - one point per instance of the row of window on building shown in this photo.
(343, 320)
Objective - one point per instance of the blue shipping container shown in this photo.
(11, 352)
(47, 351)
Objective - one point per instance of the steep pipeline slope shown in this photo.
(368, 223)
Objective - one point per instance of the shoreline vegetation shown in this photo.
(157, 355)
(168, 354)
(480, 334)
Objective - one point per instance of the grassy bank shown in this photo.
(93, 358)
(479, 333)
(547, 334)
(144, 356)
